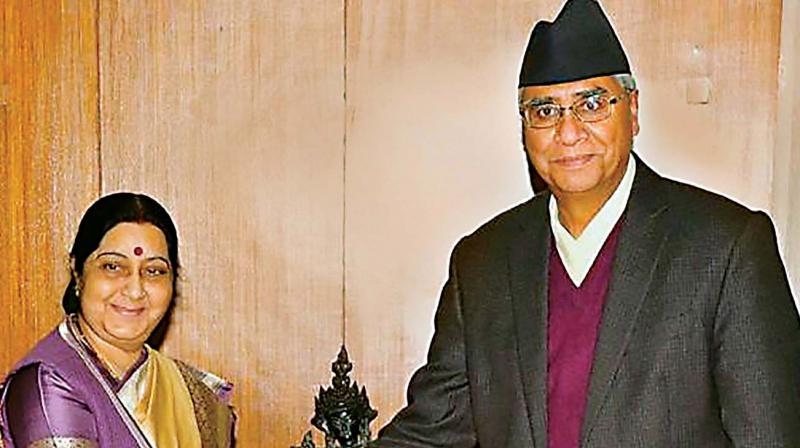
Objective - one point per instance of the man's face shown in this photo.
(578, 158)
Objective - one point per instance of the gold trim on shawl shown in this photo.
(63, 442)
(215, 419)
(165, 410)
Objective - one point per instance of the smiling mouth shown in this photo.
(127, 311)
(575, 161)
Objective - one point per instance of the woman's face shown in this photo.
(126, 286)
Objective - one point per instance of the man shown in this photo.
(618, 309)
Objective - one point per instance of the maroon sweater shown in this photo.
(572, 326)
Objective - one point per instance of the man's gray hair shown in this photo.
(626, 81)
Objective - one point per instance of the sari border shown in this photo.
(63, 442)
(67, 333)
(3, 423)
(209, 408)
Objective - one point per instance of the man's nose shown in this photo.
(570, 130)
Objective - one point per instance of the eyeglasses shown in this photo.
(591, 109)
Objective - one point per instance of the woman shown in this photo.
(94, 382)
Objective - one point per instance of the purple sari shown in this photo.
(60, 395)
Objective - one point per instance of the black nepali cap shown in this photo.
(579, 44)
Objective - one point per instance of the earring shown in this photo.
(77, 290)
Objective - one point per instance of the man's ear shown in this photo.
(634, 106)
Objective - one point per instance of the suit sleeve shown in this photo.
(757, 343)
(438, 412)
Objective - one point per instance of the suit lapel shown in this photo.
(527, 265)
(638, 250)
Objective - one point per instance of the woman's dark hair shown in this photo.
(101, 217)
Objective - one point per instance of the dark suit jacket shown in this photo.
(699, 344)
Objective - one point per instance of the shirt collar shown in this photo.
(579, 254)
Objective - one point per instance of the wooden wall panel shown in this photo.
(727, 144)
(231, 113)
(433, 150)
(48, 160)
(786, 183)
(433, 138)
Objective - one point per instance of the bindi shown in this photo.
(138, 251)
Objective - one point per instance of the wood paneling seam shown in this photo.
(344, 174)
(99, 115)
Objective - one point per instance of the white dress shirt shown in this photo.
(578, 254)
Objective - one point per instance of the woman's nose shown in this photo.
(135, 287)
